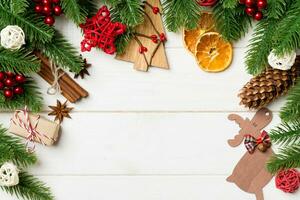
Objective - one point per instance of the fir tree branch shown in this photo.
(74, 11)
(260, 46)
(231, 23)
(30, 188)
(12, 149)
(291, 109)
(229, 3)
(178, 14)
(18, 6)
(31, 97)
(62, 53)
(277, 8)
(90, 6)
(287, 158)
(286, 134)
(20, 61)
(123, 40)
(288, 31)
(129, 12)
(33, 25)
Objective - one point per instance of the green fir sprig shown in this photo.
(18, 6)
(74, 11)
(286, 133)
(291, 110)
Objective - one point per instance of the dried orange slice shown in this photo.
(190, 37)
(213, 53)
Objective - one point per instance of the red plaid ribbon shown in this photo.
(251, 142)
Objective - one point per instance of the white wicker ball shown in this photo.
(284, 62)
(9, 175)
(12, 37)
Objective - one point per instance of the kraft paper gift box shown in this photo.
(48, 130)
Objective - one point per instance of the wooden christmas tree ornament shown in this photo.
(147, 46)
(250, 174)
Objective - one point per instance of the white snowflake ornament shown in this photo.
(9, 175)
(284, 62)
(12, 37)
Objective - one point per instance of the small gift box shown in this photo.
(34, 128)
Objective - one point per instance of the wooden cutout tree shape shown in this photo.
(147, 46)
(250, 174)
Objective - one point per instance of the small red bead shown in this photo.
(2, 86)
(56, 1)
(18, 90)
(9, 82)
(261, 4)
(242, 1)
(20, 78)
(258, 16)
(47, 9)
(162, 37)
(250, 11)
(8, 93)
(155, 10)
(143, 49)
(2, 76)
(46, 2)
(154, 38)
(249, 3)
(49, 20)
(38, 8)
(9, 74)
(57, 10)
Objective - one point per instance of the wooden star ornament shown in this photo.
(60, 111)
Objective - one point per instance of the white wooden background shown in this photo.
(159, 135)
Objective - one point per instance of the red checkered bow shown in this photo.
(251, 142)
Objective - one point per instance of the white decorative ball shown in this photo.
(284, 62)
(12, 37)
(9, 175)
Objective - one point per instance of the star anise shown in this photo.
(60, 111)
(84, 70)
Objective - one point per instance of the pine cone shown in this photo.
(266, 87)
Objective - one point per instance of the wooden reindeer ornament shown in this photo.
(250, 174)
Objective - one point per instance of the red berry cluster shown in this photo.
(254, 8)
(48, 8)
(11, 84)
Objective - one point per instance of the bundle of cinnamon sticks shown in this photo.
(69, 88)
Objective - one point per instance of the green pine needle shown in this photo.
(20, 61)
(62, 53)
(123, 40)
(286, 134)
(74, 11)
(291, 109)
(229, 3)
(231, 23)
(30, 188)
(31, 97)
(178, 14)
(12, 149)
(277, 8)
(18, 6)
(90, 6)
(33, 25)
(287, 158)
(260, 46)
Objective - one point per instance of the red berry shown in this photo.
(9, 82)
(55, 1)
(47, 9)
(2, 76)
(8, 93)
(155, 10)
(38, 8)
(143, 49)
(249, 3)
(162, 37)
(49, 20)
(261, 4)
(9, 74)
(18, 90)
(250, 11)
(258, 16)
(1, 86)
(57, 10)
(242, 1)
(20, 78)
(46, 2)
(154, 38)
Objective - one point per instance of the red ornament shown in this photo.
(258, 16)
(261, 4)
(250, 11)
(49, 20)
(100, 32)
(207, 2)
(18, 90)
(8, 93)
(47, 9)
(20, 78)
(2, 86)
(56, 1)
(155, 10)
(288, 180)
(57, 10)
(2, 76)
(9, 74)
(143, 49)
(249, 3)
(38, 8)
(9, 82)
